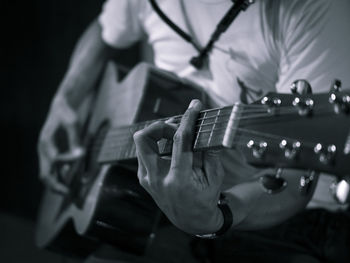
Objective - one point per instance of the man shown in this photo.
(265, 49)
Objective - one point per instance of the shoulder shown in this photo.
(128, 6)
(284, 14)
(121, 22)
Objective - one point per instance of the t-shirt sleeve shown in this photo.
(120, 22)
(315, 41)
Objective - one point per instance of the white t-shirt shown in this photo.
(267, 47)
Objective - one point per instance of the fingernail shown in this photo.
(170, 120)
(193, 104)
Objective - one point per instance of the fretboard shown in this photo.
(210, 129)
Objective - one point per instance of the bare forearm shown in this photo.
(253, 208)
(87, 62)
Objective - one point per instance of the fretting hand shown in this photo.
(187, 187)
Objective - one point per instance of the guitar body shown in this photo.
(106, 203)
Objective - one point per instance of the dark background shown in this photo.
(38, 37)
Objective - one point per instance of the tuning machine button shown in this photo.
(336, 86)
(301, 86)
(291, 150)
(258, 148)
(340, 190)
(326, 154)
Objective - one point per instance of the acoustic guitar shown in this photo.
(106, 204)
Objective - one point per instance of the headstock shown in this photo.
(299, 130)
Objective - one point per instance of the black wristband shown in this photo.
(228, 219)
(227, 213)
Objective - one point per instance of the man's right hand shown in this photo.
(63, 116)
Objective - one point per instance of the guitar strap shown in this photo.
(199, 60)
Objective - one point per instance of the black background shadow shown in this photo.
(38, 38)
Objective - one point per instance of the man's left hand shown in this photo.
(187, 187)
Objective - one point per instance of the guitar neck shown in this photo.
(210, 132)
(265, 135)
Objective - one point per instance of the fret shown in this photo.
(202, 116)
(213, 127)
(207, 130)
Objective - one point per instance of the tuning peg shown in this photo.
(326, 154)
(301, 86)
(336, 85)
(341, 190)
(258, 148)
(271, 102)
(341, 102)
(306, 182)
(305, 106)
(291, 150)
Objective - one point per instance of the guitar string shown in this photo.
(138, 126)
(267, 114)
(132, 151)
(177, 117)
(121, 135)
(305, 144)
(246, 131)
(211, 130)
(115, 146)
(262, 109)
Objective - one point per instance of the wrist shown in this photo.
(223, 219)
(63, 99)
(217, 221)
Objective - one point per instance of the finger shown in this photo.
(142, 173)
(47, 153)
(147, 149)
(73, 155)
(55, 186)
(183, 139)
(46, 143)
(44, 166)
(146, 139)
(49, 179)
(173, 121)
